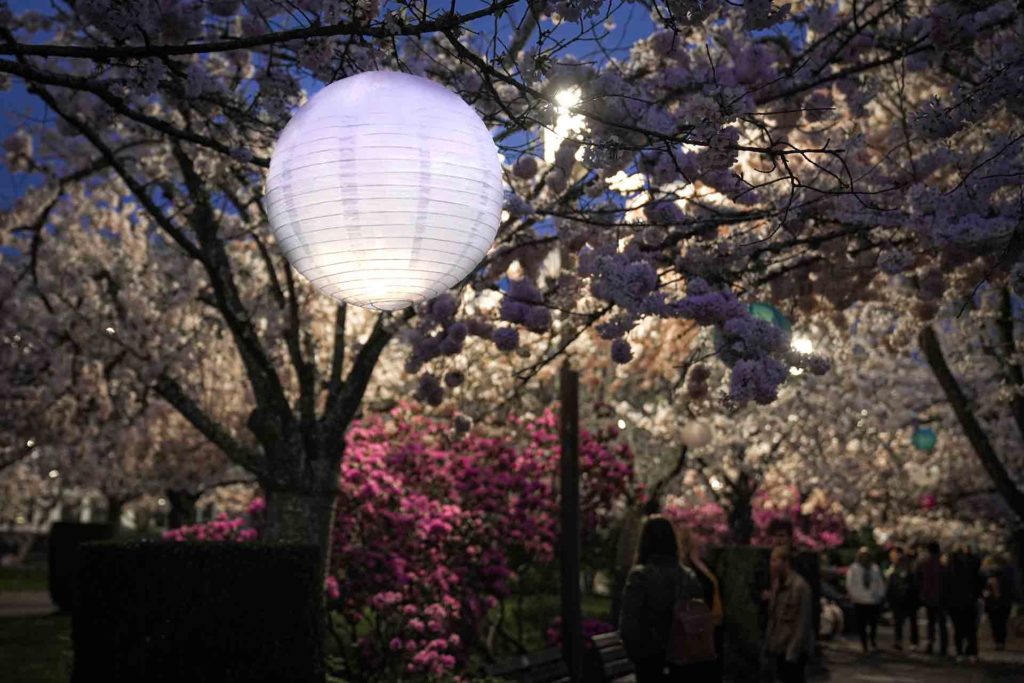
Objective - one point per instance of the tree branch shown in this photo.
(173, 393)
(983, 448)
(448, 20)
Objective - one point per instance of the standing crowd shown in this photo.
(671, 609)
(956, 587)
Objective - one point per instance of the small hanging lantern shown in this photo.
(384, 190)
(696, 434)
(770, 314)
(924, 439)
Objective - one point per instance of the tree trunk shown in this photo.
(741, 520)
(183, 508)
(973, 429)
(115, 506)
(299, 517)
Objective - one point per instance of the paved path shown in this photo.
(25, 604)
(846, 662)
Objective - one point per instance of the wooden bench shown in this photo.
(546, 666)
(607, 660)
(604, 661)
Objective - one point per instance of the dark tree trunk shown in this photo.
(115, 506)
(973, 429)
(183, 508)
(300, 517)
(741, 511)
(741, 521)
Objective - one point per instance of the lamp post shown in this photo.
(572, 618)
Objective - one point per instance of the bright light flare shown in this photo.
(566, 123)
(803, 344)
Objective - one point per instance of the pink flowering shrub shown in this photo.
(818, 530)
(224, 528)
(706, 521)
(429, 527)
(591, 627)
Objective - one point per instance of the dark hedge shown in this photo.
(170, 611)
(62, 557)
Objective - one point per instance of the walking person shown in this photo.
(998, 595)
(789, 637)
(654, 585)
(901, 593)
(963, 594)
(932, 580)
(866, 589)
(690, 553)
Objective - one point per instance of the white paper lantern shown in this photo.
(384, 190)
(696, 434)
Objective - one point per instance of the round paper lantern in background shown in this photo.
(924, 439)
(770, 314)
(384, 190)
(696, 434)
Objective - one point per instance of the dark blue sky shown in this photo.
(17, 106)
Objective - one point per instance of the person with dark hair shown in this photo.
(964, 591)
(902, 595)
(653, 587)
(933, 586)
(789, 637)
(866, 588)
(998, 594)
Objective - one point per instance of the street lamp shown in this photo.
(566, 123)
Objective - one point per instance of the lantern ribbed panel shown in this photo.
(384, 190)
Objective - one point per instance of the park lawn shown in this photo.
(23, 578)
(35, 649)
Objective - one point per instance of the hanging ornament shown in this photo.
(924, 439)
(928, 501)
(384, 190)
(770, 314)
(696, 434)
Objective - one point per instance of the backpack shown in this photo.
(692, 638)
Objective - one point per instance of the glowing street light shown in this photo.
(566, 123)
(802, 344)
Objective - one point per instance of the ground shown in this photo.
(36, 648)
(846, 662)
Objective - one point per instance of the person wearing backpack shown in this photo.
(656, 604)
(901, 591)
(789, 637)
(691, 555)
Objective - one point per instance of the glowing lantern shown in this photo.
(769, 313)
(696, 434)
(924, 439)
(384, 190)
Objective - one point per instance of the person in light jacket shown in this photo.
(866, 588)
(789, 637)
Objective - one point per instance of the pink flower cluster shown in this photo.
(591, 627)
(429, 529)
(224, 528)
(709, 522)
